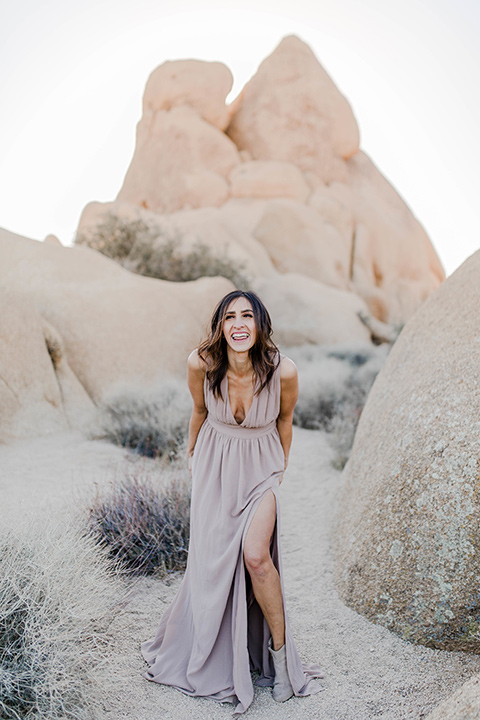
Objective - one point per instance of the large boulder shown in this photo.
(75, 325)
(292, 111)
(408, 545)
(203, 86)
(180, 161)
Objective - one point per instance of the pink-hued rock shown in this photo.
(101, 325)
(180, 162)
(298, 240)
(292, 111)
(201, 85)
(305, 311)
(292, 193)
(268, 179)
(394, 266)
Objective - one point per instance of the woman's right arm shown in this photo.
(196, 376)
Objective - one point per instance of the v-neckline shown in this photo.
(230, 406)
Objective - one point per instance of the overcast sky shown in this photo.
(72, 75)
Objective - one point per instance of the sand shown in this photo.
(370, 673)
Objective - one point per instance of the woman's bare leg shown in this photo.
(263, 573)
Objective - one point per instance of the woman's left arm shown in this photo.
(288, 400)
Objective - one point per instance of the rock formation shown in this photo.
(75, 325)
(36, 382)
(408, 545)
(291, 111)
(277, 179)
(275, 183)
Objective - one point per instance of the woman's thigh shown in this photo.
(259, 533)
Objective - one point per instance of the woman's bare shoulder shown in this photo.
(288, 369)
(195, 363)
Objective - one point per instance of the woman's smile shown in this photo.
(239, 325)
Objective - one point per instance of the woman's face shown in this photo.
(239, 325)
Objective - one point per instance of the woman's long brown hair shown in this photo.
(264, 354)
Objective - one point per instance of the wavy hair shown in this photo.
(264, 354)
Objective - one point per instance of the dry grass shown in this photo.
(334, 386)
(145, 250)
(168, 260)
(152, 423)
(56, 601)
(115, 237)
(145, 528)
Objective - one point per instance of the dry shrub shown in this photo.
(334, 385)
(146, 250)
(115, 237)
(56, 601)
(153, 423)
(169, 261)
(145, 528)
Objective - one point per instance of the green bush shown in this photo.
(145, 528)
(56, 602)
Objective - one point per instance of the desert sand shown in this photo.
(369, 672)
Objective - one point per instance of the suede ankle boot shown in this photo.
(282, 688)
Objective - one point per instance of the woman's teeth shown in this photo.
(239, 336)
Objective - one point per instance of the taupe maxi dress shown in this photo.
(214, 634)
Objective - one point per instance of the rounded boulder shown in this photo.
(407, 538)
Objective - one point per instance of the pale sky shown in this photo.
(72, 75)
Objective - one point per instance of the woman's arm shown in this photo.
(288, 400)
(196, 377)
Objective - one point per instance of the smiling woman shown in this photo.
(229, 618)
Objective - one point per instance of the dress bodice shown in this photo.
(264, 410)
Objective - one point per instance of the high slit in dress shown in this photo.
(213, 635)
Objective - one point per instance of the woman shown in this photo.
(228, 616)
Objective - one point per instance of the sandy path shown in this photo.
(54, 474)
(370, 673)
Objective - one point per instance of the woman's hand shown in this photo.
(189, 458)
(283, 473)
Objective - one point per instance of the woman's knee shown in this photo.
(257, 560)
